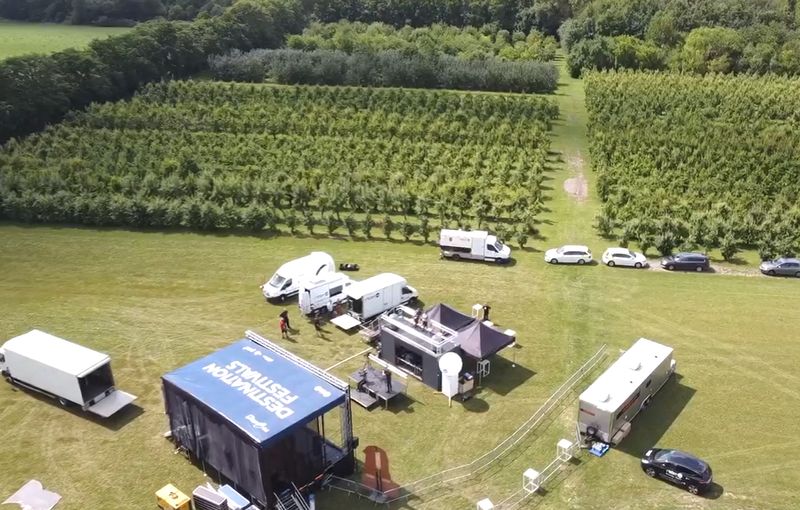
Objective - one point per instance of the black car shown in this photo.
(686, 261)
(678, 467)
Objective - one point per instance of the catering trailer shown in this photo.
(371, 297)
(607, 407)
(322, 292)
(65, 371)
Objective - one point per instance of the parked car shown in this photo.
(678, 467)
(568, 254)
(686, 262)
(781, 267)
(623, 257)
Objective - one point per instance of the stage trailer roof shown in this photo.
(256, 389)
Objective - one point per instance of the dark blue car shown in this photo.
(680, 468)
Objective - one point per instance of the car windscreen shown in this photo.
(498, 246)
(277, 280)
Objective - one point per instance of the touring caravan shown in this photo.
(322, 292)
(472, 244)
(286, 280)
(607, 407)
(65, 371)
(371, 297)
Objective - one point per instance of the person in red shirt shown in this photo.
(284, 328)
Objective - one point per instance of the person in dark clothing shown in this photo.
(486, 309)
(285, 316)
(318, 324)
(388, 375)
(362, 381)
(417, 317)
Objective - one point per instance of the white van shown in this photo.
(472, 244)
(286, 280)
(322, 292)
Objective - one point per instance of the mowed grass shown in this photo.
(19, 38)
(156, 301)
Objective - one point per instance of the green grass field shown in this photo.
(19, 38)
(156, 301)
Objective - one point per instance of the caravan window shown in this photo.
(335, 291)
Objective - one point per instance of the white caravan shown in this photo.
(65, 371)
(286, 280)
(607, 407)
(371, 297)
(472, 244)
(322, 292)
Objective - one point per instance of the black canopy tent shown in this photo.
(480, 341)
(450, 317)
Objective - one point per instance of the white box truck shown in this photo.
(371, 297)
(322, 292)
(63, 370)
(607, 407)
(286, 280)
(472, 244)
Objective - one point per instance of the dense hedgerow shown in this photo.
(469, 43)
(384, 69)
(695, 160)
(210, 155)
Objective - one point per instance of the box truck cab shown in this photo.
(286, 280)
(63, 370)
(472, 244)
(322, 292)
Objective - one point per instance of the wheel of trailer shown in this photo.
(610, 263)
(693, 489)
(581, 262)
(650, 472)
(699, 269)
(554, 261)
(638, 265)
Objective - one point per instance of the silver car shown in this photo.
(781, 267)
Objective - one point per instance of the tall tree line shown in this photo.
(108, 12)
(38, 90)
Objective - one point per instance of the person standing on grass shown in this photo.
(284, 328)
(285, 316)
(318, 323)
(486, 309)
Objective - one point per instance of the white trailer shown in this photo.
(472, 244)
(63, 370)
(286, 280)
(371, 297)
(322, 292)
(607, 407)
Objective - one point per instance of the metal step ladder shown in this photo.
(291, 499)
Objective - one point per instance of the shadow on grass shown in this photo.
(511, 262)
(504, 377)
(652, 423)
(476, 405)
(115, 422)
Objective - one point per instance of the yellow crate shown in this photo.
(170, 498)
